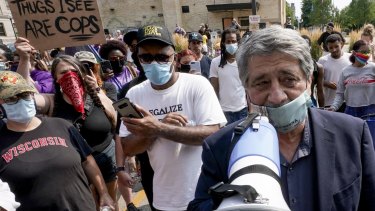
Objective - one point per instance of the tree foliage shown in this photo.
(290, 12)
(317, 12)
(358, 13)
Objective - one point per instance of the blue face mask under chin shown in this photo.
(158, 74)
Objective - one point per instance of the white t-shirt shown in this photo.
(177, 166)
(357, 86)
(231, 92)
(332, 71)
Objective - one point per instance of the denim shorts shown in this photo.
(106, 161)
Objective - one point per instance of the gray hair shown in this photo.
(274, 39)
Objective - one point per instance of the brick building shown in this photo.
(7, 32)
(189, 14)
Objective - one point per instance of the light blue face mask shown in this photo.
(158, 74)
(231, 48)
(22, 112)
(287, 117)
(3, 66)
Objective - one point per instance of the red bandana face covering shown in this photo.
(72, 86)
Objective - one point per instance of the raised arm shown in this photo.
(24, 49)
(44, 102)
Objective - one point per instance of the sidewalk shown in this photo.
(139, 199)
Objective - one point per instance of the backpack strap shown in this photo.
(132, 71)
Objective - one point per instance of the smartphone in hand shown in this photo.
(127, 109)
(185, 68)
(195, 67)
(106, 66)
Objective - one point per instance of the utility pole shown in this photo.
(253, 7)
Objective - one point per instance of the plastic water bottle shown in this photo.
(105, 208)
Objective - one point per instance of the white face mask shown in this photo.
(287, 117)
(22, 112)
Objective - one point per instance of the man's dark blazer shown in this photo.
(344, 155)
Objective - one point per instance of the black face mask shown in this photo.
(117, 66)
(185, 68)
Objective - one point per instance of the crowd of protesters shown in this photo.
(64, 146)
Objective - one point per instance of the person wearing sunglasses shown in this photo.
(45, 161)
(80, 100)
(356, 86)
(179, 110)
(116, 52)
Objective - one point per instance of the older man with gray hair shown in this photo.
(327, 159)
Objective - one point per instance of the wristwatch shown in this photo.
(118, 169)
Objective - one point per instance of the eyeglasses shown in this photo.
(159, 58)
(116, 58)
(24, 96)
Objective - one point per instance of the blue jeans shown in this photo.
(234, 116)
(366, 113)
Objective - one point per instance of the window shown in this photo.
(2, 30)
(243, 21)
(185, 9)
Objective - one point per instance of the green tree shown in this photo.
(289, 12)
(306, 12)
(317, 12)
(359, 13)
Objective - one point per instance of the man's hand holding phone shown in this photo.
(148, 126)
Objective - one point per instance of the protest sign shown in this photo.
(49, 24)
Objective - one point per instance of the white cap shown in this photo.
(7, 198)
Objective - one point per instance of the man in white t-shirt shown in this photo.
(180, 111)
(333, 65)
(225, 79)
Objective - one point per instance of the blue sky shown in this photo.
(338, 3)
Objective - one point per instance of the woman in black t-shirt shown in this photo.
(44, 160)
(79, 99)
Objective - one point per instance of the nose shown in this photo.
(276, 96)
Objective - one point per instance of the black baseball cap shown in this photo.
(152, 32)
(330, 24)
(195, 36)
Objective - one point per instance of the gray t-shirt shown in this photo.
(356, 86)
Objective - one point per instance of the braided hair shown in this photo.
(89, 90)
(223, 58)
